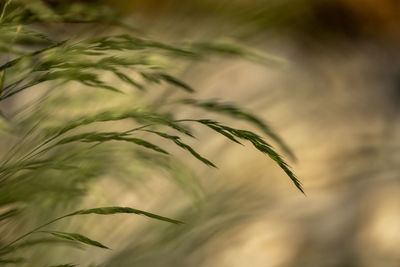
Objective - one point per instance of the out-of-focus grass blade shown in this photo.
(35, 242)
(174, 81)
(2, 78)
(101, 211)
(128, 80)
(143, 143)
(232, 48)
(18, 59)
(105, 137)
(138, 115)
(86, 78)
(63, 265)
(9, 214)
(159, 76)
(127, 42)
(76, 237)
(116, 210)
(34, 165)
(12, 261)
(11, 31)
(42, 10)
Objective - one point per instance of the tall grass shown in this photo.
(66, 122)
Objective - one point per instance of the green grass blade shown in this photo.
(128, 80)
(13, 62)
(179, 143)
(101, 211)
(2, 78)
(76, 237)
(12, 261)
(116, 210)
(115, 115)
(237, 113)
(257, 142)
(63, 265)
(105, 137)
(9, 214)
(176, 82)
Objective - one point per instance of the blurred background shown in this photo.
(331, 90)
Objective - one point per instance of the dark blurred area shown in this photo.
(314, 19)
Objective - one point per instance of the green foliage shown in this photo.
(54, 151)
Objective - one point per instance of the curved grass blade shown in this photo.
(63, 265)
(160, 76)
(232, 48)
(237, 113)
(127, 42)
(226, 134)
(116, 115)
(12, 261)
(174, 81)
(101, 211)
(18, 59)
(11, 31)
(8, 214)
(76, 237)
(257, 142)
(128, 80)
(176, 140)
(105, 137)
(2, 78)
(86, 78)
(265, 148)
(116, 210)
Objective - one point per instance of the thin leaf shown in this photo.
(177, 141)
(63, 265)
(9, 214)
(258, 143)
(116, 210)
(174, 81)
(18, 59)
(232, 48)
(237, 113)
(223, 132)
(12, 261)
(137, 115)
(126, 79)
(157, 77)
(11, 31)
(86, 78)
(127, 42)
(2, 77)
(76, 237)
(101, 211)
(105, 137)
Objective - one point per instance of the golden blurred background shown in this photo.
(332, 92)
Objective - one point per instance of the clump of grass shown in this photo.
(56, 156)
